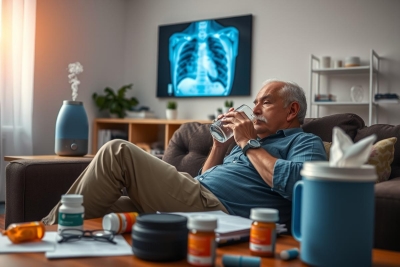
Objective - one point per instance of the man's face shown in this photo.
(269, 105)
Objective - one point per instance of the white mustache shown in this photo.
(260, 118)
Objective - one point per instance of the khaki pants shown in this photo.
(152, 185)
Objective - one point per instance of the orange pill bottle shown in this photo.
(263, 232)
(119, 222)
(25, 232)
(201, 240)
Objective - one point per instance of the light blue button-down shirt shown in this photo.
(239, 186)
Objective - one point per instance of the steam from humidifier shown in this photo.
(74, 69)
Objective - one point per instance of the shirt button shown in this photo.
(201, 179)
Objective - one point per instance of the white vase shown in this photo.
(171, 114)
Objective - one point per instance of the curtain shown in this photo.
(17, 43)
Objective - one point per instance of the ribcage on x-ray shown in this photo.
(218, 55)
(187, 64)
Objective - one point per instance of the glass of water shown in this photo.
(221, 133)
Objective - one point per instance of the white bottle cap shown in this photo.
(264, 215)
(202, 222)
(72, 198)
(111, 222)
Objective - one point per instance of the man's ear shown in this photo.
(294, 109)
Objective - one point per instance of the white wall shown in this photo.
(116, 42)
(89, 31)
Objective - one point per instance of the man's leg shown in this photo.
(152, 184)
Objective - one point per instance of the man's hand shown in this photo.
(224, 146)
(241, 125)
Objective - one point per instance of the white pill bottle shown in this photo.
(71, 212)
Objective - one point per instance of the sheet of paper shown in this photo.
(226, 223)
(90, 248)
(230, 225)
(46, 244)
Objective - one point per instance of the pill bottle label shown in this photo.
(70, 220)
(127, 219)
(201, 250)
(262, 239)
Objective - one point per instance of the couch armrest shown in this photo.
(387, 215)
(33, 187)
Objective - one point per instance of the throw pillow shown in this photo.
(327, 146)
(382, 154)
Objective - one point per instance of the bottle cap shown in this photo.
(72, 198)
(240, 261)
(264, 215)
(202, 222)
(111, 222)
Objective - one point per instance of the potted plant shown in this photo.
(228, 105)
(115, 102)
(171, 111)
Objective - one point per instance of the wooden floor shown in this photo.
(2, 217)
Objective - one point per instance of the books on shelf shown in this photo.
(324, 97)
(143, 114)
(105, 135)
(387, 98)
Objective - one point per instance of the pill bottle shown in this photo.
(201, 240)
(71, 212)
(263, 231)
(119, 222)
(25, 232)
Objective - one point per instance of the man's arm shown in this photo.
(264, 164)
(282, 174)
(217, 154)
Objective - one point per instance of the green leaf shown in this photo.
(115, 102)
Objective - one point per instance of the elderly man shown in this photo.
(260, 171)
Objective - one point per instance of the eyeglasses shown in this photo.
(71, 235)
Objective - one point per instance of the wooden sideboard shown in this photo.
(140, 130)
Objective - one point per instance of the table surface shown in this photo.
(47, 157)
(380, 257)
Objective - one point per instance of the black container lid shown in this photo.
(162, 221)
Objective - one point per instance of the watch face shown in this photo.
(254, 143)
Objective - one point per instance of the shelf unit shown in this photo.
(139, 130)
(372, 70)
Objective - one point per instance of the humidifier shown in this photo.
(72, 130)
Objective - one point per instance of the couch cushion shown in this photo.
(323, 127)
(384, 131)
(189, 147)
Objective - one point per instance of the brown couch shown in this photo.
(33, 187)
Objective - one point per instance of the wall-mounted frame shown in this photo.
(205, 58)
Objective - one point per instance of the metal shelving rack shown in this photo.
(372, 70)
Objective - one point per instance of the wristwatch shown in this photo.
(252, 143)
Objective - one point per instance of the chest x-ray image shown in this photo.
(202, 59)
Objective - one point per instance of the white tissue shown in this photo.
(344, 153)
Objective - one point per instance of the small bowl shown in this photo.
(352, 62)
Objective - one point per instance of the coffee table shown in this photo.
(380, 257)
